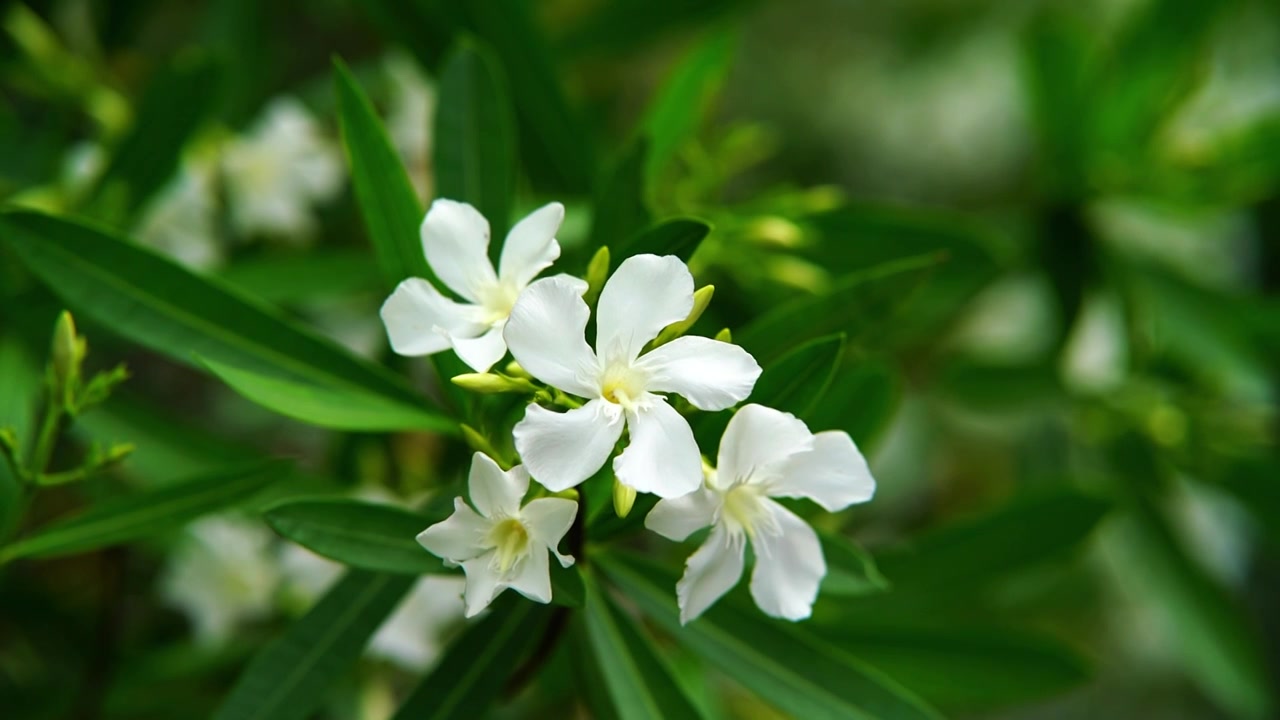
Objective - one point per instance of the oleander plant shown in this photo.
(619, 359)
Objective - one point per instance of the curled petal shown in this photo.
(645, 294)
(561, 450)
(455, 238)
(458, 537)
(548, 519)
(709, 574)
(712, 375)
(483, 584)
(496, 494)
(789, 566)
(833, 473)
(418, 319)
(758, 438)
(532, 577)
(480, 353)
(678, 518)
(531, 245)
(546, 335)
(662, 457)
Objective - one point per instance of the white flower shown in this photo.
(181, 221)
(504, 545)
(546, 336)
(222, 574)
(455, 237)
(764, 454)
(276, 171)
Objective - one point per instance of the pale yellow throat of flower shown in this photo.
(510, 540)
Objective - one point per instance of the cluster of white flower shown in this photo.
(597, 394)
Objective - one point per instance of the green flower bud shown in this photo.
(597, 273)
(624, 497)
(67, 351)
(724, 335)
(701, 298)
(491, 384)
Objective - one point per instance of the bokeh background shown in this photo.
(1067, 396)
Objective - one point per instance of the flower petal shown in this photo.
(480, 353)
(678, 518)
(789, 567)
(546, 334)
(455, 237)
(483, 584)
(645, 294)
(662, 457)
(561, 450)
(496, 494)
(710, 374)
(531, 245)
(418, 318)
(709, 574)
(456, 538)
(833, 474)
(533, 577)
(757, 438)
(548, 519)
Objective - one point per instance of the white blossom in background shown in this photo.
(277, 171)
(505, 544)
(455, 237)
(546, 334)
(411, 118)
(181, 220)
(1096, 356)
(222, 574)
(764, 454)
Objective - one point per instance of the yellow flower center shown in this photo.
(622, 385)
(497, 300)
(744, 511)
(510, 540)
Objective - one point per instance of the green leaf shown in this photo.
(567, 586)
(475, 145)
(359, 534)
(678, 236)
(136, 516)
(861, 304)
(555, 146)
(801, 675)
(317, 274)
(967, 554)
(173, 108)
(19, 395)
(639, 681)
(1217, 641)
(860, 401)
(469, 678)
(799, 379)
(621, 209)
(339, 408)
(290, 677)
(682, 104)
(163, 306)
(958, 669)
(850, 569)
(388, 203)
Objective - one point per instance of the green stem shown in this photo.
(46, 441)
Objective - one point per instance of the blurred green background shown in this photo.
(1050, 230)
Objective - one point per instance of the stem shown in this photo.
(46, 441)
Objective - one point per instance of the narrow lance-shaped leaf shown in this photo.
(339, 408)
(388, 203)
(470, 676)
(290, 677)
(621, 205)
(359, 534)
(799, 674)
(163, 306)
(136, 516)
(677, 236)
(639, 682)
(475, 146)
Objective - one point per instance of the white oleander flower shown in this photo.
(223, 573)
(504, 545)
(181, 221)
(278, 170)
(455, 237)
(546, 334)
(764, 454)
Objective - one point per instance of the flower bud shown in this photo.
(624, 496)
(724, 335)
(774, 230)
(490, 384)
(514, 370)
(67, 351)
(701, 298)
(597, 273)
